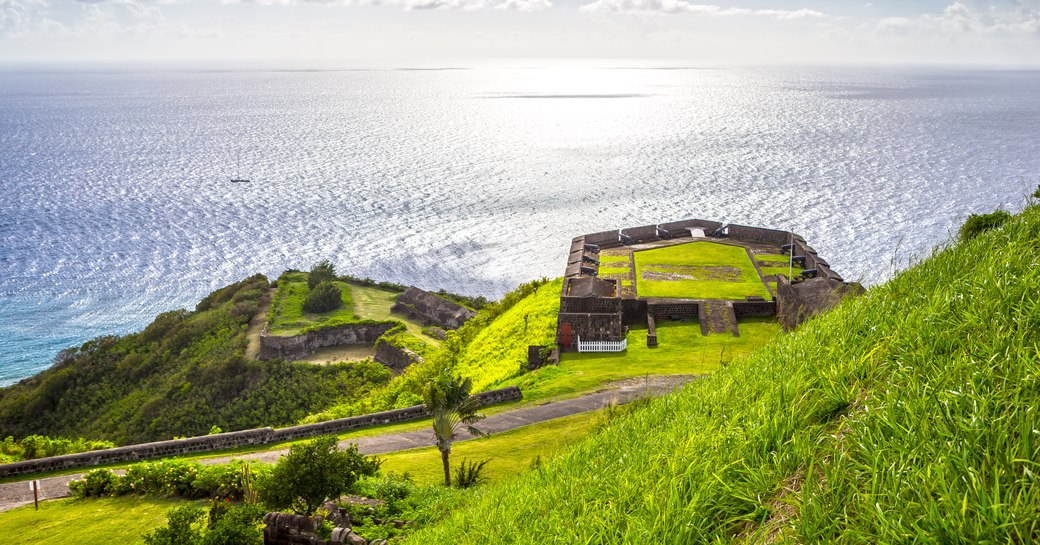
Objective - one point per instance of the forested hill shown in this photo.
(910, 414)
(183, 374)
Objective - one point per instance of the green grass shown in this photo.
(677, 259)
(86, 522)
(614, 270)
(286, 317)
(500, 349)
(613, 259)
(511, 453)
(374, 303)
(681, 350)
(908, 414)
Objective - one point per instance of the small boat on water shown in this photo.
(239, 181)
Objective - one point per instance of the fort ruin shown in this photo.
(607, 271)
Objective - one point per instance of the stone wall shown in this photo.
(758, 234)
(395, 357)
(679, 228)
(431, 309)
(259, 436)
(304, 344)
(604, 239)
(645, 233)
(801, 301)
(756, 309)
(589, 304)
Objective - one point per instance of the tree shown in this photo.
(314, 471)
(323, 298)
(453, 408)
(322, 271)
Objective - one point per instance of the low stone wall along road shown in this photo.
(15, 494)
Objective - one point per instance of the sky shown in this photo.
(401, 33)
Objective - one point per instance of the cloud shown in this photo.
(525, 5)
(672, 7)
(893, 26)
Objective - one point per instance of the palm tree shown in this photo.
(453, 408)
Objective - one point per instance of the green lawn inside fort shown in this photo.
(698, 270)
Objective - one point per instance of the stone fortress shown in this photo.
(596, 309)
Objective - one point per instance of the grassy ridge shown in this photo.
(499, 351)
(181, 375)
(907, 414)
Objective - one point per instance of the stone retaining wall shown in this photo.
(395, 357)
(758, 309)
(304, 344)
(432, 309)
(259, 436)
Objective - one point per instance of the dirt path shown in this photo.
(256, 325)
(18, 493)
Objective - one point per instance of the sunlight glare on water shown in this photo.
(117, 202)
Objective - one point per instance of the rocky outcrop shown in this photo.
(431, 309)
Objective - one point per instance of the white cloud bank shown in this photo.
(672, 7)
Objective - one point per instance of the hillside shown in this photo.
(183, 374)
(907, 414)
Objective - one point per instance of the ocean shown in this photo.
(117, 202)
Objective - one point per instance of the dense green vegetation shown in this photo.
(980, 223)
(499, 350)
(697, 270)
(407, 388)
(182, 375)
(286, 314)
(908, 414)
(41, 446)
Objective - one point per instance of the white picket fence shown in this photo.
(602, 346)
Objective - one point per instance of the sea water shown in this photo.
(117, 202)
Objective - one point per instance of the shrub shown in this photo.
(323, 298)
(323, 271)
(95, 484)
(468, 474)
(312, 472)
(183, 527)
(979, 223)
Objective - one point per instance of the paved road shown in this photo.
(16, 494)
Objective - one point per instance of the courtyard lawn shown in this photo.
(681, 350)
(697, 270)
(511, 452)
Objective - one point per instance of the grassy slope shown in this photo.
(499, 350)
(510, 452)
(700, 254)
(86, 522)
(907, 414)
(682, 350)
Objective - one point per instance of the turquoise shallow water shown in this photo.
(117, 203)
